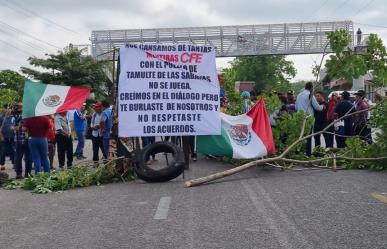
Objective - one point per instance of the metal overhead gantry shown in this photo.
(229, 41)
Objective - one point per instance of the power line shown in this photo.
(338, 7)
(24, 10)
(362, 8)
(26, 34)
(317, 10)
(22, 50)
(30, 44)
(372, 25)
(3, 59)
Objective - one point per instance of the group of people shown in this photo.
(36, 138)
(355, 111)
(349, 116)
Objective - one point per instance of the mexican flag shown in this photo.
(44, 99)
(245, 136)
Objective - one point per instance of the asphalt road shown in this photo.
(259, 208)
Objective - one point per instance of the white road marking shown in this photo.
(163, 208)
(283, 232)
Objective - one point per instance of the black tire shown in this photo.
(173, 170)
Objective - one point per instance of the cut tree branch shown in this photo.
(281, 157)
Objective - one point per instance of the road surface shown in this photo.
(259, 208)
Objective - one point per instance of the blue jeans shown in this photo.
(23, 150)
(105, 146)
(7, 148)
(81, 143)
(39, 152)
(147, 140)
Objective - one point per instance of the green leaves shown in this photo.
(287, 130)
(12, 80)
(75, 177)
(8, 97)
(267, 71)
(70, 68)
(11, 88)
(339, 41)
(346, 64)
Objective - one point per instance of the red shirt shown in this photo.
(37, 126)
(51, 131)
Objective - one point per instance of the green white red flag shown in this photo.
(44, 99)
(245, 136)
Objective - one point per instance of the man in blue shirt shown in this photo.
(7, 124)
(80, 128)
(106, 125)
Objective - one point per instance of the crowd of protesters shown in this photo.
(36, 139)
(354, 109)
(349, 115)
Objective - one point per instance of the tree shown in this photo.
(13, 81)
(71, 68)
(11, 87)
(347, 64)
(8, 97)
(267, 71)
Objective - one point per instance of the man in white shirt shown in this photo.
(306, 102)
(70, 119)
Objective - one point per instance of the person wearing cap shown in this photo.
(360, 118)
(96, 135)
(344, 107)
(80, 123)
(63, 140)
(246, 101)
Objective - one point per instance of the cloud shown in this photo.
(87, 15)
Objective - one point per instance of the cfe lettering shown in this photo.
(191, 57)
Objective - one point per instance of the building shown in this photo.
(372, 92)
(241, 86)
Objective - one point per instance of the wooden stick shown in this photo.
(225, 173)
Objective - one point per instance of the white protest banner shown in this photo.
(168, 90)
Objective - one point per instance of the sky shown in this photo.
(39, 27)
